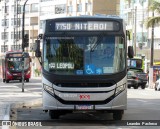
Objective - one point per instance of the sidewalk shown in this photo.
(11, 96)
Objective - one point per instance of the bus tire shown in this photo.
(7, 81)
(117, 115)
(129, 87)
(27, 80)
(20, 80)
(54, 114)
(143, 86)
(135, 87)
(4, 80)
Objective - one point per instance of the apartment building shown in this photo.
(36, 11)
(11, 25)
(61, 8)
(136, 12)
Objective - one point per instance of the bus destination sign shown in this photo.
(87, 26)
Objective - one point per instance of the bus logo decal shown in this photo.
(84, 97)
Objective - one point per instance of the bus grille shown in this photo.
(85, 84)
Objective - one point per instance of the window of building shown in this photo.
(20, 9)
(4, 35)
(12, 35)
(88, 7)
(15, 35)
(6, 9)
(4, 48)
(15, 47)
(70, 9)
(26, 8)
(14, 22)
(34, 7)
(79, 7)
(5, 22)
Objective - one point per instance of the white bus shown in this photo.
(84, 65)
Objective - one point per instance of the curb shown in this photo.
(34, 102)
(14, 106)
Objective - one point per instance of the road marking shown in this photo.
(141, 100)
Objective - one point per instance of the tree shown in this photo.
(154, 5)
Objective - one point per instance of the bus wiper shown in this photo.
(96, 44)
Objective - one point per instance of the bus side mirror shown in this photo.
(130, 52)
(37, 48)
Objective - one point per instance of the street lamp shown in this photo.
(23, 44)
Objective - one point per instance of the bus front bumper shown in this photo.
(118, 102)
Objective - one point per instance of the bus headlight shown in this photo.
(49, 89)
(120, 88)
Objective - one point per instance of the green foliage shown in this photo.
(37, 72)
(154, 6)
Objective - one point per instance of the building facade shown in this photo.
(61, 8)
(36, 11)
(136, 12)
(11, 25)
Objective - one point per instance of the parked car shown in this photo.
(132, 79)
(157, 85)
(140, 77)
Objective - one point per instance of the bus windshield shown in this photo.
(84, 55)
(15, 64)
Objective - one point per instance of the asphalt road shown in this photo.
(142, 105)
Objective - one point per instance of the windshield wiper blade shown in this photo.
(96, 44)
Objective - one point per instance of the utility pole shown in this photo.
(135, 30)
(152, 43)
(142, 21)
(23, 46)
(152, 56)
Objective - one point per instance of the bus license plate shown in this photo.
(84, 107)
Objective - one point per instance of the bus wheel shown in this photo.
(143, 86)
(54, 114)
(117, 115)
(27, 80)
(4, 80)
(20, 80)
(135, 87)
(7, 81)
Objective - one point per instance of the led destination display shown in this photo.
(87, 26)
